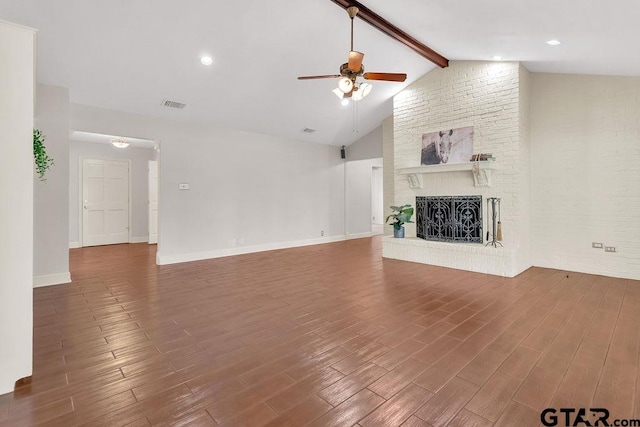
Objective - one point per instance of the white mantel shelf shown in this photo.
(481, 176)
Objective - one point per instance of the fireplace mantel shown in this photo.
(481, 175)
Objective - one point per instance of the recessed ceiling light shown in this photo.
(554, 42)
(497, 58)
(344, 102)
(206, 60)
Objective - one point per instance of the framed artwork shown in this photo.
(447, 146)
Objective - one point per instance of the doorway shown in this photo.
(153, 202)
(377, 209)
(105, 202)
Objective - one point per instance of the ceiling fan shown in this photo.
(348, 86)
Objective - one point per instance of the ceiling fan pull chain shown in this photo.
(355, 117)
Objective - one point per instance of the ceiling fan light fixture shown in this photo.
(363, 90)
(345, 85)
(349, 84)
(120, 142)
(338, 92)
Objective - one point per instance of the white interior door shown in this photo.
(105, 202)
(377, 210)
(153, 201)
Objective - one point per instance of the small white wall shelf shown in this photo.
(481, 172)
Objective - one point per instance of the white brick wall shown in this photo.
(479, 258)
(522, 254)
(585, 139)
(568, 166)
(487, 96)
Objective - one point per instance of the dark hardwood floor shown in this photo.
(323, 335)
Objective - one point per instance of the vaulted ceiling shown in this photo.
(130, 55)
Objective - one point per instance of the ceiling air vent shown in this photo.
(308, 130)
(173, 104)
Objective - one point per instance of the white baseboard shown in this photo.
(240, 250)
(51, 279)
(143, 239)
(359, 235)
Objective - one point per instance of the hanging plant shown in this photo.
(42, 160)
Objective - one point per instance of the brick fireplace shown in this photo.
(493, 98)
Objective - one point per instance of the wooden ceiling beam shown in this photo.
(394, 32)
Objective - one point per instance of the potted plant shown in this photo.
(401, 215)
(41, 158)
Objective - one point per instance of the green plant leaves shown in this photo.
(402, 215)
(42, 160)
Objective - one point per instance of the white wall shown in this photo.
(388, 170)
(359, 197)
(377, 196)
(16, 210)
(585, 133)
(139, 158)
(50, 211)
(367, 147)
(248, 191)
(362, 156)
(486, 96)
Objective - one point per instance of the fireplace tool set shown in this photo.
(493, 206)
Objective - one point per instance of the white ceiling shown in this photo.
(130, 55)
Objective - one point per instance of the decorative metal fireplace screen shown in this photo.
(450, 218)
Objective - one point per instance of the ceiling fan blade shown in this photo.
(355, 61)
(389, 77)
(327, 76)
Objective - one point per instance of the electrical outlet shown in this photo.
(183, 186)
(610, 249)
(596, 245)
(322, 233)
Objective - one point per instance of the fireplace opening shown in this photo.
(449, 218)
